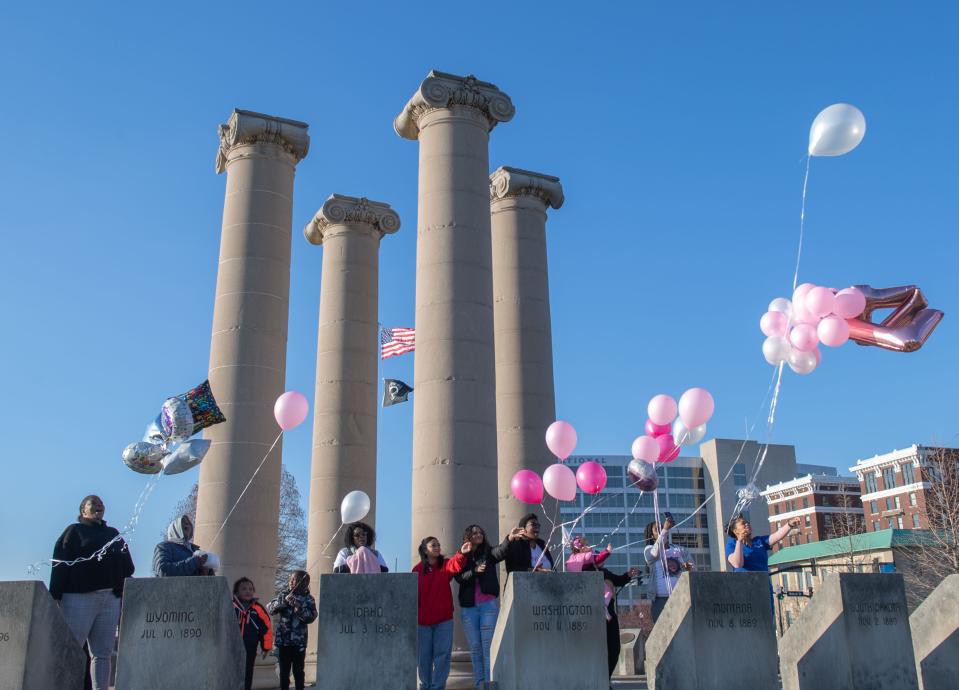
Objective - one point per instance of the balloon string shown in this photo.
(802, 222)
(243, 493)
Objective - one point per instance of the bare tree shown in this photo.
(935, 556)
(843, 528)
(291, 533)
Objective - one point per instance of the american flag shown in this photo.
(396, 341)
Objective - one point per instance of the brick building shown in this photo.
(827, 504)
(893, 488)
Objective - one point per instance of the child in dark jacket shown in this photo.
(295, 609)
(255, 627)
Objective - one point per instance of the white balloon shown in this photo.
(776, 350)
(687, 437)
(782, 304)
(836, 130)
(802, 362)
(354, 507)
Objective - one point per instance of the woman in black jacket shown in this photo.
(612, 583)
(525, 551)
(479, 598)
(89, 591)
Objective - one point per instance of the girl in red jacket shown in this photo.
(434, 639)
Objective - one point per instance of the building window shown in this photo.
(808, 522)
(875, 508)
(898, 504)
(899, 521)
(739, 474)
(888, 504)
(805, 502)
(912, 497)
(907, 474)
(875, 525)
(870, 483)
(889, 477)
(915, 520)
(775, 509)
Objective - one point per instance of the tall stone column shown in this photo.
(344, 411)
(248, 347)
(454, 407)
(454, 418)
(525, 404)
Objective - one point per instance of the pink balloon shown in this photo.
(773, 323)
(820, 301)
(696, 407)
(668, 450)
(527, 486)
(818, 354)
(561, 439)
(290, 410)
(560, 482)
(657, 430)
(850, 303)
(833, 331)
(803, 337)
(645, 448)
(799, 295)
(591, 477)
(661, 410)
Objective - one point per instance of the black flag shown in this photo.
(395, 391)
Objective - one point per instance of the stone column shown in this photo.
(344, 411)
(248, 347)
(454, 417)
(525, 405)
(454, 432)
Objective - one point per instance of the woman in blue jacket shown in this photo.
(178, 556)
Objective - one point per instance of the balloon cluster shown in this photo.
(558, 480)
(794, 329)
(166, 446)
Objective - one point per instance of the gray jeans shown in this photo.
(92, 618)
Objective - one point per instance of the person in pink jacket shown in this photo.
(584, 556)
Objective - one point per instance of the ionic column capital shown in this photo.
(506, 183)
(442, 90)
(247, 127)
(350, 210)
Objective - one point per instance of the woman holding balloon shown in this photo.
(358, 554)
(524, 550)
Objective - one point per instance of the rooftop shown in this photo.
(869, 541)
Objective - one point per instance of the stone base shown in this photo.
(711, 621)
(632, 652)
(37, 649)
(366, 637)
(551, 633)
(935, 637)
(853, 634)
(179, 633)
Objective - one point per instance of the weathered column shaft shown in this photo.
(344, 411)
(525, 404)
(248, 346)
(454, 432)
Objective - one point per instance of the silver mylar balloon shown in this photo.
(748, 493)
(781, 304)
(143, 457)
(154, 431)
(176, 419)
(642, 475)
(776, 350)
(687, 437)
(185, 456)
(802, 362)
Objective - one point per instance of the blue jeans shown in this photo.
(479, 622)
(434, 646)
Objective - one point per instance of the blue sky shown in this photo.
(678, 131)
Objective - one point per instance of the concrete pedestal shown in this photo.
(37, 649)
(551, 633)
(710, 621)
(366, 637)
(179, 633)
(853, 634)
(935, 637)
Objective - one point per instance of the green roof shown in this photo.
(869, 541)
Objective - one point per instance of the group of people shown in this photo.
(89, 589)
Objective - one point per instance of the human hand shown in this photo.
(633, 572)
(202, 558)
(689, 566)
(517, 533)
(609, 547)
(669, 524)
(481, 568)
(466, 547)
(794, 522)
